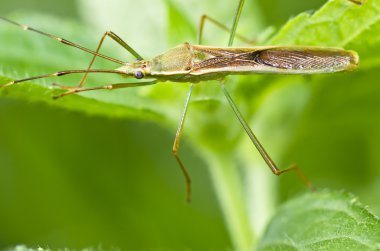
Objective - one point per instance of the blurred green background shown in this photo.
(75, 179)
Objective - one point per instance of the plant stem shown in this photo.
(229, 188)
(260, 187)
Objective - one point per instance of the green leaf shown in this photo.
(338, 24)
(327, 124)
(335, 16)
(322, 220)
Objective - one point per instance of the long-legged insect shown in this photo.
(195, 63)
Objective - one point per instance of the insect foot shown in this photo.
(8, 84)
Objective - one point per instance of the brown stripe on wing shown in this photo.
(221, 51)
(222, 62)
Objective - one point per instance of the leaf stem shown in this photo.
(229, 189)
(260, 187)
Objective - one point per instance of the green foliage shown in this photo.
(322, 221)
(99, 163)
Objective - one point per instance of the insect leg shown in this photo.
(58, 74)
(62, 40)
(358, 2)
(119, 41)
(258, 145)
(235, 22)
(106, 87)
(221, 26)
(177, 141)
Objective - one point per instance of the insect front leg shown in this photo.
(58, 74)
(260, 147)
(115, 38)
(358, 2)
(177, 142)
(106, 87)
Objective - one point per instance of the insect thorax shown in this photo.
(175, 61)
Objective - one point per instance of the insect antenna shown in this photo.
(62, 40)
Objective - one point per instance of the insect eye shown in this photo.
(139, 75)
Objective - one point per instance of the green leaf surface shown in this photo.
(337, 24)
(124, 174)
(323, 221)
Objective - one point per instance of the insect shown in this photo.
(195, 63)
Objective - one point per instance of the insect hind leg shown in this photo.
(271, 164)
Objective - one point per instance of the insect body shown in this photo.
(195, 63)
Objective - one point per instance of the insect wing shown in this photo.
(307, 59)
